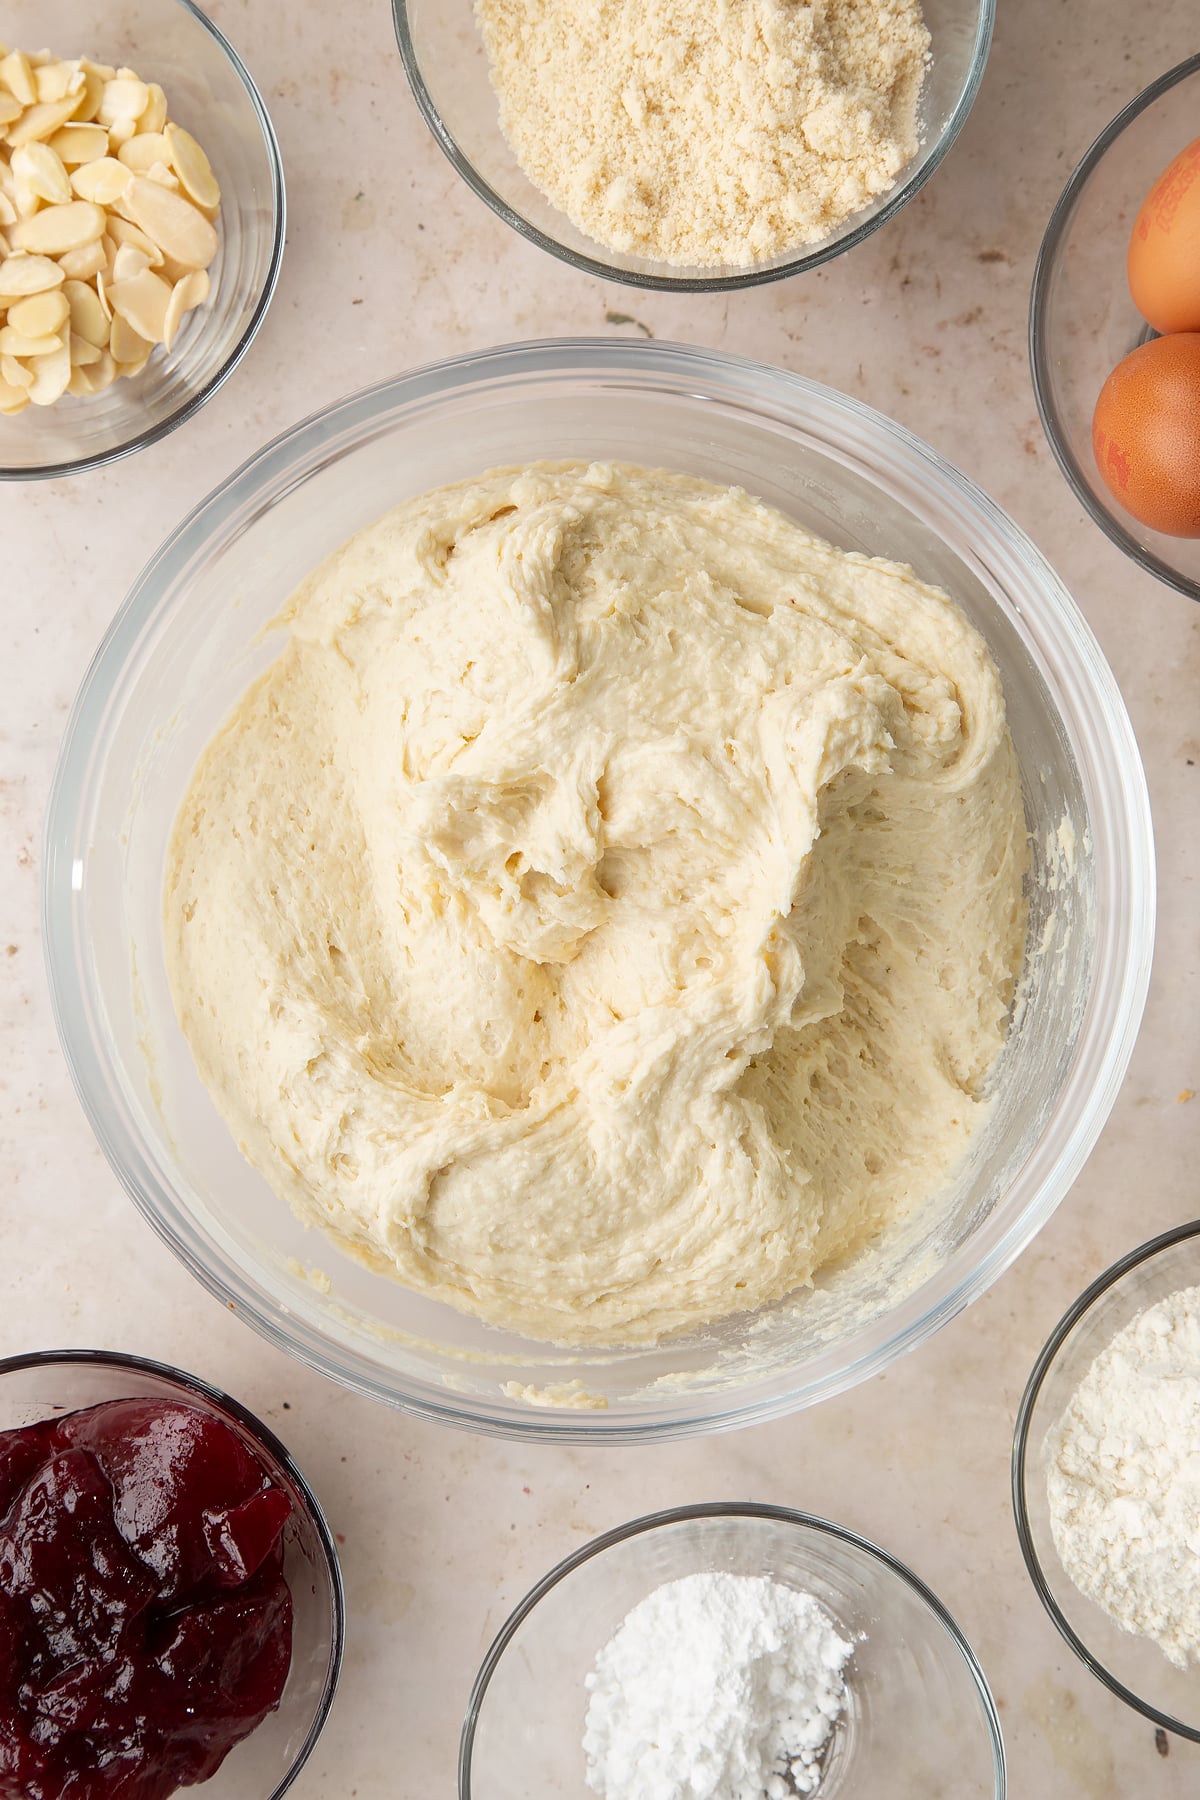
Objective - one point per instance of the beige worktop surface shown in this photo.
(390, 262)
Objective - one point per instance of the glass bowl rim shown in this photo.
(1039, 366)
(1093, 1293)
(1054, 631)
(813, 258)
(727, 1509)
(276, 1451)
(187, 409)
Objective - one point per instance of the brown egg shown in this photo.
(1146, 434)
(1164, 249)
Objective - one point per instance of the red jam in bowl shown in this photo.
(145, 1623)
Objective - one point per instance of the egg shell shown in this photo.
(1146, 434)
(1163, 264)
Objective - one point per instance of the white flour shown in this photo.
(715, 1687)
(1124, 1478)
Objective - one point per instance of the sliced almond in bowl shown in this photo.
(77, 144)
(51, 373)
(124, 97)
(193, 168)
(40, 315)
(40, 169)
(88, 318)
(141, 302)
(42, 120)
(15, 343)
(102, 181)
(144, 150)
(29, 275)
(188, 292)
(15, 373)
(78, 265)
(62, 228)
(12, 399)
(127, 343)
(178, 228)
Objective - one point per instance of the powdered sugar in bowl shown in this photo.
(883, 1695)
(1104, 1487)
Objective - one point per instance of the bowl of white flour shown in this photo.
(1106, 1478)
(719, 1652)
(668, 146)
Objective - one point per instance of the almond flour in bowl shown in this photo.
(700, 139)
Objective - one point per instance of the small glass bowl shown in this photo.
(917, 1702)
(210, 92)
(1082, 319)
(1134, 1668)
(444, 58)
(265, 1764)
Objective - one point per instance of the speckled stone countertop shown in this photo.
(391, 262)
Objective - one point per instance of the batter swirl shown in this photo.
(606, 910)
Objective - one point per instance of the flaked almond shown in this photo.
(142, 152)
(10, 108)
(41, 121)
(76, 144)
(55, 80)
(83, 351)
(193, 168)
(128, 262)
(21, 275)
(40, 169)
(16, 74)
(90, 95)
(142, 302)
(15, 372)
(80, 265)
(103, 181)
(12, 399)
(88, 318)
(124, 231)
(25, 200)
(93, 378)
(125, 97)
(51, 375)
(127, 343)
(155, 116)
(190, 291)
(41, 315)
(62, 228)
(178, 228)
(15, 343)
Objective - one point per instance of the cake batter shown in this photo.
(605, 912)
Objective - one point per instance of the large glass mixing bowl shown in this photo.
(190, 638)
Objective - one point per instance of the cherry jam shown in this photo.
(145, 1623)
